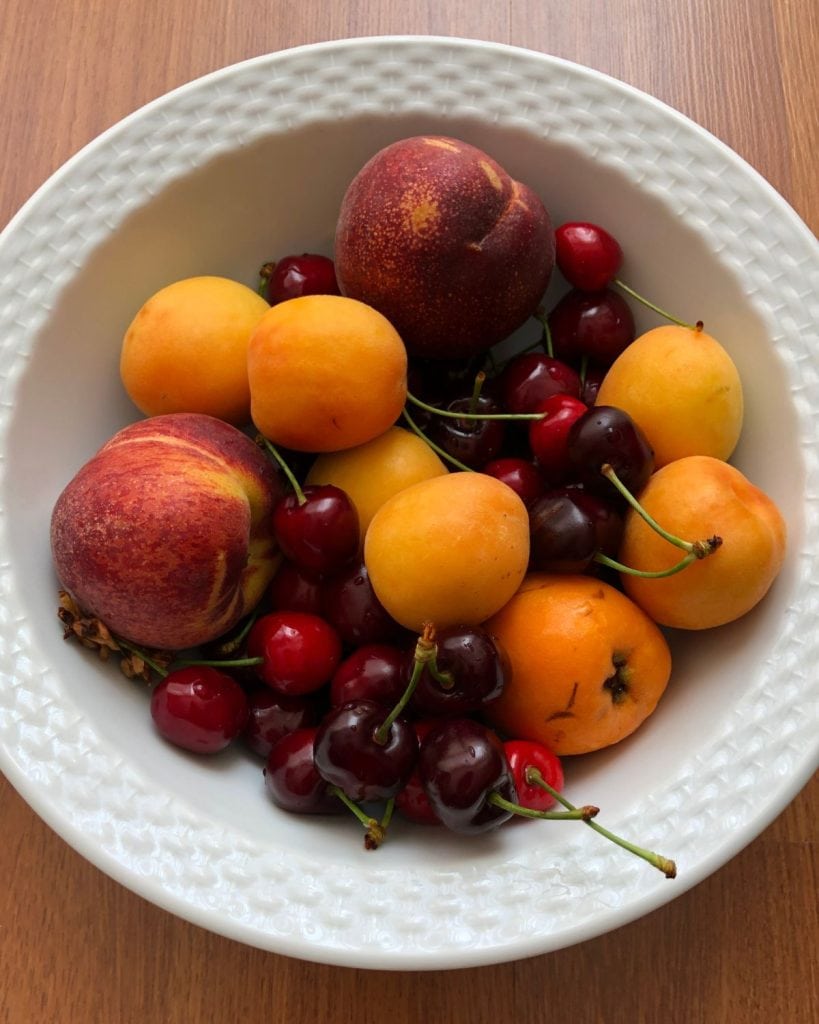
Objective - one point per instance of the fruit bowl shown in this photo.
(249, 163)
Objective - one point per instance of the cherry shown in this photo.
(592, 379)
(412, 801)
(533, 376)
(548, 437)
(593, 325)
(587, 255)
(563, 538)
(349, 603)
(292, 779)
(605, 517)
(525, 757)
(294, 589)
(272, 715)
(461, 764)
(606, 436)
(372, 672)
(199, 708)
(472, 442)
(352, 753)
(523, 476)
(294, 276)
(465, 672)
(317, 528)
(300, 651)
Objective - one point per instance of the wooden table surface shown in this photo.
(75, 946)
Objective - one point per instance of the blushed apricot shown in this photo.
(695, 499)
(587, 665)
(372, 473)
(450, 550)
(326, 373)
(186, 349)
(682, 389)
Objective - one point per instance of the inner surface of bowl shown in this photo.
(246, 166)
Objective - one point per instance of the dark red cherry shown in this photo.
(350, 754)
(607, 435)
(300, 651)
(532, 377)
(592, 379)
(320, 533)
(272, 715)
(525, 757)
(412, 801)
(372, 672)
(472, 670)
(522, 475)
(472, 442)
(294, 589)
(199, 708)
(562, 536)
(587, 255)
(595, 325)
(292, 779)
(461, 763)
(349, 603)
(548, 437)
(294, 276)
(605, 516)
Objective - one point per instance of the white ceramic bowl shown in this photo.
(250, 163)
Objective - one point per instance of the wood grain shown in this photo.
(76, 947)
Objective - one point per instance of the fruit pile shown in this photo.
(409, 575)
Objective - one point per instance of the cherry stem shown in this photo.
(375, 831)
(424, 656)
(650, 305)
(546, 341)
(265, 273)
(575, 814)
(436, 448)
(668, 867)
(645, 574)
(159, 669)
(449, 414)
(696, 548)
(217, 662)
(288, 472)
(480, 377)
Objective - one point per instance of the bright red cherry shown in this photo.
(527, 760)
(522, 475)
(547, 437)
(318, 530)
(300, 651)
(199, 708)
(294, 276)
(587, 255)
(531, 377)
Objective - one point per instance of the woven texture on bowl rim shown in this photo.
(415, 917)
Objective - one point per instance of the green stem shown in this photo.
(645, 574)
(436, 448)
(449, 414)
(288, 472)
(218, 662)
(548, 346)
(609, 473)
(480, 377)
(650, 305)
(668, 867)
(374, 835)
(423, 657)
(575, 814)
(160, 671)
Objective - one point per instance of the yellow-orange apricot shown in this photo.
(697, 498)
(450, 550)
(682, 389)
(326, 373)
(372, 473)
(186, 349)
(587, 665)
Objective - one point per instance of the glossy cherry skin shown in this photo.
(292, 779)
(412, 801)
(199, 708)
(548, 437)
(587, 255)
(300, 651)
(294, 276)
(533, 376)
(272, 715)
(460, 764)
(524, 754)
(349, 755)
(606, 518)
(562, 535)
(372, 672)
(349, 603)
(478, 671)
(522, 475)
(294, 589)
(595, 325)
(472, 442)
(604, 435)
(321, 533)
(592, 380)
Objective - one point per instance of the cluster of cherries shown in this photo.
(349, 710)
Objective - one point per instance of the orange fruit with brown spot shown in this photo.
(588, 667)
